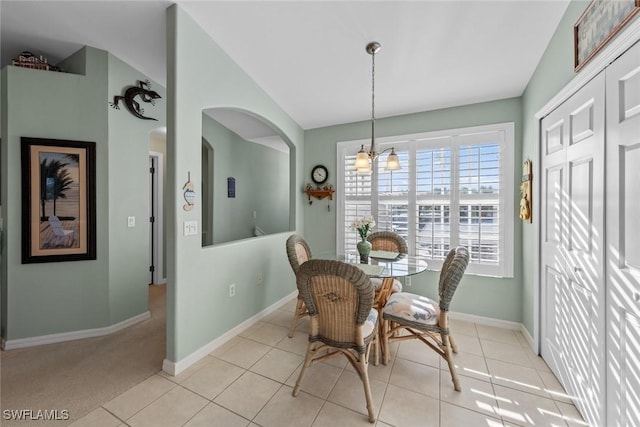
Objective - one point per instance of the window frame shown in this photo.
(503, 133)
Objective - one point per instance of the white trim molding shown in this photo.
(74, 335)
(486, 321)
(174, 368)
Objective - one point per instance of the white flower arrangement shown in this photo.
(363, 225)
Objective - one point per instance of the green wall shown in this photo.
(483, 296)
(553, 72)
(49, 298)
(129, 140)
(262, 185)
(52, 298)
(199, 308)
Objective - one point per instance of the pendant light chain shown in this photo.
(373, 86)
(365, 160)
(373, 103)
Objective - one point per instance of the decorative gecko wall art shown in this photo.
(143, 92)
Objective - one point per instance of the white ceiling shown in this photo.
(309, 56)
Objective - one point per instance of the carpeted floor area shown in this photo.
(79, 376)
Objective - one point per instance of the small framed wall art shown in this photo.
(231, 187)
(526, 192)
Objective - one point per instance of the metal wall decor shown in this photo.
(141, 92)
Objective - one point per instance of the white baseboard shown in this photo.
(487, 321)
(505, 324)
(529, 338)
(74, 335)
(174, 368)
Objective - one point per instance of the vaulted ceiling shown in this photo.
(309, 56)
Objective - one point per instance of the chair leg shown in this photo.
(454, 346)
(384, 332)
(364, 376)
(307, 362)
(375, 347)
(296, 316)
(446, 346)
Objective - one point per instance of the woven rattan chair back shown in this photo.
(298, 252)
(452, 271)
(388, 241)
(339, 298)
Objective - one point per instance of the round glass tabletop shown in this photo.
(382, 264)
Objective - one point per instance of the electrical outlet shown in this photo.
(259, 278)
(232, 290)
(407, 281)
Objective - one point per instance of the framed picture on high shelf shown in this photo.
(58, 200)
(598, 24)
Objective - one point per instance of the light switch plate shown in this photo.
(131, 221)
(190, 228)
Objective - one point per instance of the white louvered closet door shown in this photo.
(623, 240)
(572, 252)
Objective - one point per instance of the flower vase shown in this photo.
(364, 248)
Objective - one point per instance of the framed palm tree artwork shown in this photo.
(58, 200)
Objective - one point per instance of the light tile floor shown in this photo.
(248, 382)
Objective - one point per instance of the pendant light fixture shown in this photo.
(364, 159)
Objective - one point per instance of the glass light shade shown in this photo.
(363, 171)
(362, 160)
(393, 163)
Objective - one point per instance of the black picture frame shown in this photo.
(58, 200)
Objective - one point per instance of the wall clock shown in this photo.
(319, 174)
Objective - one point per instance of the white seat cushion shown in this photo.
(413, 308)
(377, 282)
(371, 323)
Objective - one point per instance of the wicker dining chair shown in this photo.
(298, 252)
(387, 241)
(419, 317)
(339, 297)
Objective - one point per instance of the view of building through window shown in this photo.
(449, 192)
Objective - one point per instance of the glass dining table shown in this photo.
(382, 264)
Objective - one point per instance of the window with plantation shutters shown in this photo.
(456, 187)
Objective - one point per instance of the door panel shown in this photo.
(630, 373)
(623, 247)
(573, 317)
(553, 137)
(580, 216)
(582, 122)
(630, 202)
(553, 217)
